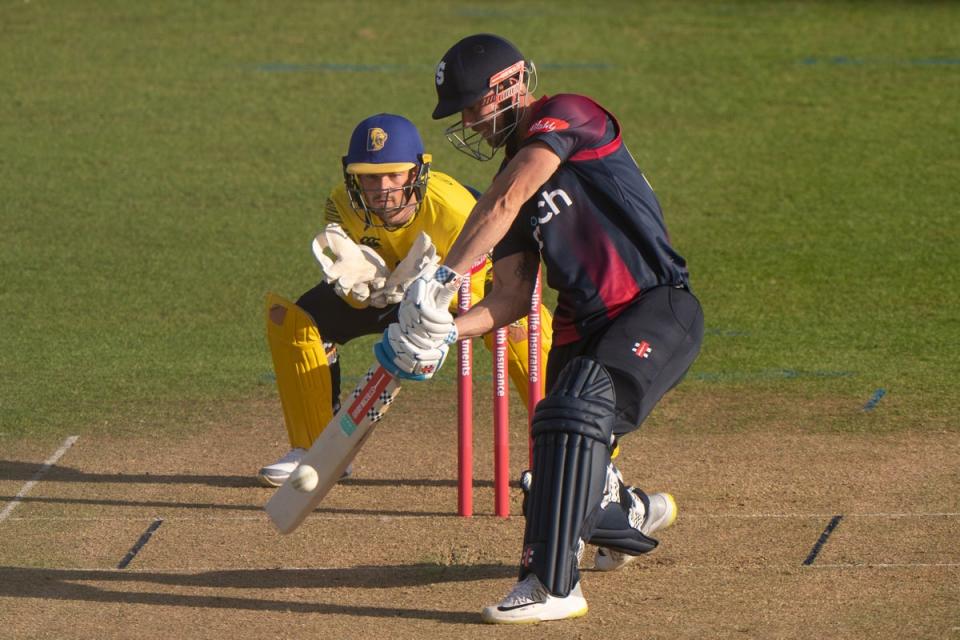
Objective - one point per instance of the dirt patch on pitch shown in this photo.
(385, 557)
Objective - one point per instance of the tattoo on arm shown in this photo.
(524, 267)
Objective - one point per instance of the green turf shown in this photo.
(164, 165)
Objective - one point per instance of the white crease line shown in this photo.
(679, 567)
(137, 518)
(52, 460)
(382, 518)
(820, 515)
(886, 565)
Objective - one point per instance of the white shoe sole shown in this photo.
(271, 480)
(667, 518)
(554, 608)
(276, 479)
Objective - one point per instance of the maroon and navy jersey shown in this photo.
(596, 222)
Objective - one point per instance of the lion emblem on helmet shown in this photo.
(376, 139)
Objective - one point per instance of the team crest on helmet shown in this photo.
(376, 139)
(440, 69)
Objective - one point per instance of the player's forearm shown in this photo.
(485, 227)
(499, 205)
(514, 278)
(490, 313)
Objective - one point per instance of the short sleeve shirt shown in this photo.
(596, 222)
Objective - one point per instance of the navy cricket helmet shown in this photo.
(466, 72)
(485, 68)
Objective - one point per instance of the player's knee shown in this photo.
(583, 400)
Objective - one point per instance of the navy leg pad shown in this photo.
(572, 432)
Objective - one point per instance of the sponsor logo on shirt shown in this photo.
(546, 125)
(548, 201)
(548, 206)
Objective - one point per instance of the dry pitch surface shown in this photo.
(753, 554)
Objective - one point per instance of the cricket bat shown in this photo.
(335, 448)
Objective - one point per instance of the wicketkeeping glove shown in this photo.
(353, 270)
(422, 255)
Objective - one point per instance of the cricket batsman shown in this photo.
(392, 217)
(628, 327)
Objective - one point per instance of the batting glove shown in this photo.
(406, 360)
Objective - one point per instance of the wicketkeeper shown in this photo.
(392, 217)
(627, 326)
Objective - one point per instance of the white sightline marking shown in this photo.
(42, 471)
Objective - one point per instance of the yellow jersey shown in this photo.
(444, 209)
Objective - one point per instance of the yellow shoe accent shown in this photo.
(674, 511)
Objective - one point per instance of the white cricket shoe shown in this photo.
(663, 513)
(529, 602)
(274, 475)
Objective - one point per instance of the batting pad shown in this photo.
(302, 371)
(572, 430)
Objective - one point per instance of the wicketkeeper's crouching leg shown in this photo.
(302, 365)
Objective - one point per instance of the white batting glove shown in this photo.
(353, 270)
(405, 359)
(425, 309)
(426, 320)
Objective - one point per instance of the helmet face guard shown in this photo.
(379, 145)
(412, 194)
(506, 89)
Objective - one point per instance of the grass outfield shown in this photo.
(165, 164)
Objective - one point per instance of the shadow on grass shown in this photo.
(376, 512)
(94, 586)
(18, 471)
(24, 471)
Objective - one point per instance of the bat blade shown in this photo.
(335, 448)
